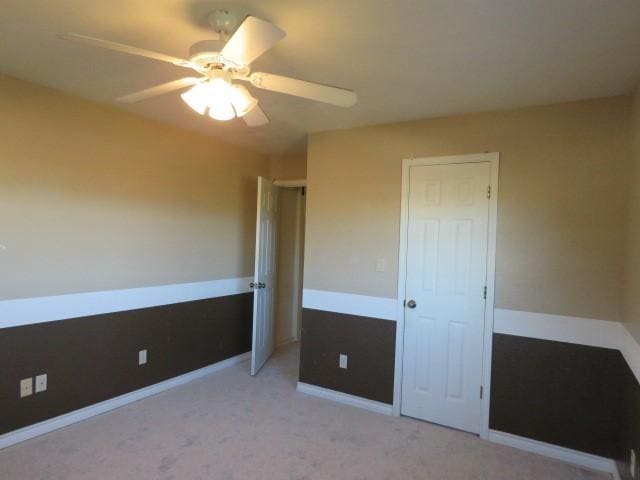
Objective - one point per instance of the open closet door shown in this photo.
(264, 279)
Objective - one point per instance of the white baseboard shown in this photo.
(345, 398)
(575, 457)
(31, 431)
(286, 342)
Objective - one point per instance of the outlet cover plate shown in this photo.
(343, 360)
(632, 463)
(41, 383)
(26, 387)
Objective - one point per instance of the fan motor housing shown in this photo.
(206, 54)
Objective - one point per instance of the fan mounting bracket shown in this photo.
(223, 22)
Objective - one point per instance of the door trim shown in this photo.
(494, 161)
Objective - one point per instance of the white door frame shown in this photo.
(494, 160)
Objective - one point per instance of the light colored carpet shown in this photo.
(230, 426)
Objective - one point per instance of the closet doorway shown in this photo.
(279, 258)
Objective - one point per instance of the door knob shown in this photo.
(262, 285)
(252, 285)
(411, 304)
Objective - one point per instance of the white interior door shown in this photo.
(264, 279)
(446, 265)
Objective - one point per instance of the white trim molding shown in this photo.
(350, 304)
(562, 328)
(27, 311)
(493, 159)
(558, 328)
(296, 183)
(587, 460)
(354, 401)
(31, 431)
(630, 349)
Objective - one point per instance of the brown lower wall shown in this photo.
(629, 437)
(91, 359)
(558, 393)
(580, 397)
(369, 344)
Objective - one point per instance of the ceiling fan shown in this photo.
(213, 91)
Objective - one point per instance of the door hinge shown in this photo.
(485, 292)
(489, 191)
(481, 391)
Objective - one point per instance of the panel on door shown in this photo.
(446, 265)
(264, 280)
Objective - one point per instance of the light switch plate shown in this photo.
(142, 357)
(41, 383)
(380, 265)
(343, 360)
(632, 463)
(26, 387)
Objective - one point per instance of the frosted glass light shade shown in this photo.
(242, 100)
(197, 98)
(221, 110)
(222, 100)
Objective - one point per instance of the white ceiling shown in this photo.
(407, 59)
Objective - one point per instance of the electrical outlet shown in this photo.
(343, 360)
(142, 357)
(41, 383)
(26, 387)
(632, 463)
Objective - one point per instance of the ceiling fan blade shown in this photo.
(255, 117)
(159, 90)
(253, 37)
(300, 88)
(120, 47)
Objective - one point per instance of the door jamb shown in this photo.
(296, 305)
(494, 161)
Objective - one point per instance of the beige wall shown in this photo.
(288, 167)
(632, 304)
(561, 225)
(93, 198)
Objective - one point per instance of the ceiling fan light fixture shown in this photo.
(220, 61)
(241, 100)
